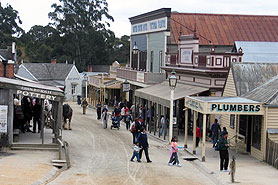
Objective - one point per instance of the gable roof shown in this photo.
(258, 51)
(248, 76)
(224, 29)
(48, 71)
(6, 54)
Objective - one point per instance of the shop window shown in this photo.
(232, 121)
(256, 132)
(73, 89)
(243, 121)
(151, 67)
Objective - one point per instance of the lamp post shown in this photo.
(172, 85)
(135, 51)
(86, 87)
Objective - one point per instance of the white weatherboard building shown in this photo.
(64, 76)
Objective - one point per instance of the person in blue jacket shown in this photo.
(143, 142)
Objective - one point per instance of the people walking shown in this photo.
(84, 105)
(223, 152)
(174, 160)
(198, 135)
(37, 109)
(148, 119)
(133, 132)
(138, 127)
(143, 142)
(127, 121)
(99, 111)
(117, 115)
(105, 118)
(215, 129)
(162, 123)
(136, 153)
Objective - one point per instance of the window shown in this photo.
(73, 89)
(232, 121)
(218, 61)
(151, 67)
(256, 132)
(243, 121)
(160, 60)
(208, 61)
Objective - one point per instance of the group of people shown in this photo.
(26, 110)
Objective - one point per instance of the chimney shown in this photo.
(53, 61)
(90, 68)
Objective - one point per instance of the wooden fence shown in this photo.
(272, 153)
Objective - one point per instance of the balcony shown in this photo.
(140, 76)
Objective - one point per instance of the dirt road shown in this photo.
(102, 156)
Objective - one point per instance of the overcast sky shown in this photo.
(35, 12)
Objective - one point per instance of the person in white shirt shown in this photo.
(162, 122)
(136, 153)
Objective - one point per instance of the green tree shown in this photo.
(121, 49)
(82, 25)
(9, 21)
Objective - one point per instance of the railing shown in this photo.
(140, 76)
(63, 145)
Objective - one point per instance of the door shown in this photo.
(249, 133)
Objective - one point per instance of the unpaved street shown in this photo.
(102, 156)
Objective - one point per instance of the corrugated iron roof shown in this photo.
(258, 51)
(248, 76)
(224, 29)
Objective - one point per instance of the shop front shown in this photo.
(246, 119)
(12, 91)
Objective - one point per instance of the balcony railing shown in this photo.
(140, 76)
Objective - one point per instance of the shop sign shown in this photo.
(3, 118)
(140, 77)
(236, 108)
(149, 26)
(126, 87)
(194, 105)
(36, 95)
(186, 56)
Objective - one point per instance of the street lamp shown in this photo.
(172, 85)
(135, 51)
(86, 86)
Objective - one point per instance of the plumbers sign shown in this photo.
(235, 108)
(36, 93)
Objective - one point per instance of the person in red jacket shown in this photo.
(198, 135)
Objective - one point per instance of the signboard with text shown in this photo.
(3, 118)
(140, 77)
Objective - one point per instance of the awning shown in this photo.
(112, 84)
(224, 105)
(160, 93)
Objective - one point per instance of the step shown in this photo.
(59, 165)
(34, 148)
(58, 161)
(35, 145)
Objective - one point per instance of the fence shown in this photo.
(272, 153)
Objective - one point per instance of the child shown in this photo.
(127, 121)
(174, 153)
(105, 118)
(136, 152)
(233, 169)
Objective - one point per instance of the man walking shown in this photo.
(215, 129)
(223, 152)
(84, 105)
(143, 142)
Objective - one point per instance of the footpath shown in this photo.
(248, 169)
(20, 167)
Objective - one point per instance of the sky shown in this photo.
(35, 12)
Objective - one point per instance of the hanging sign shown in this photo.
(3, 118)
(126, 87)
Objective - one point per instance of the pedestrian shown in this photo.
(99, 111)
(162, 123)
(140, 111)
(138, 127)
(132, 109)
(117, 115)
(105, 118)
(136, 152)
(84, 105)
(37, 109)
(18, 116)
(148, 119)
(174, 159)
(233, 169)
(133, 131)
(198, 135)
(215, 129)
(224, 131)
(127, 121)
(123, 113)
(115, 101)
(143, 141)
(223, 152)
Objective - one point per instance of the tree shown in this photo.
(9, 21)
(121, 49)
(82, 25)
